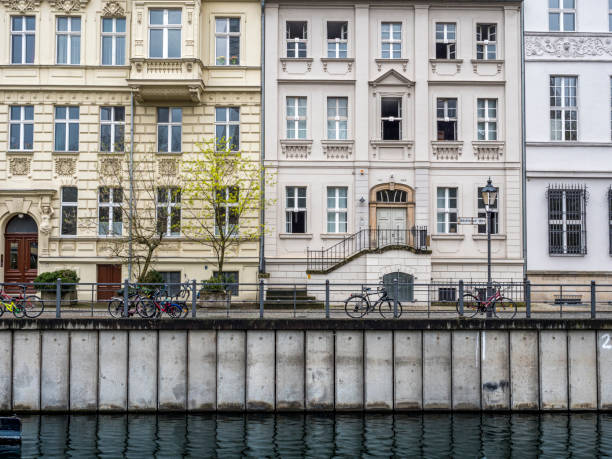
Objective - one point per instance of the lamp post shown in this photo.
(489, 195)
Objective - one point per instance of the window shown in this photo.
(610, 217)
(112, 129)
(165, 33)
(113, 41)
(68, 217)
(337, 210)
(66, 128)
(296, 210)
(296, 117)
(610, 15)
(110, 221)
(297, 37)
(21, 127)
(482, 229)
(227, 211)
(562, 15)
(337, 116)
(230, 277)
(405, 286)
(446, 113)
(337, 39)
(22, 39)
(169, 211)
(227, 128)
(446, 41)
(487, 119)
(395, 196)
(227, 41)
(447, 294)
(486, 41)
(563, 112)
(391, 40)
(391, 118)
(169, 130)
(171, 280)
(68, 44)
(566, 220)
(447, 210)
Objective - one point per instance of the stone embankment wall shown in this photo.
(236, 365)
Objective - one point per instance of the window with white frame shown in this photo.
(486, 41)
(169, 211)
(297, 38)
(68, 40)
(227, 128)
(391, 118)
(112, 129)
(447, 210)
(227, 41)
(562, 15)
(337, 118)
(113, 41)
(391, 40)
(169, 129)
(567, 220)
(110, 208)
(227, 211)
(296, 117)
(446, 40)
(295, 211)
(66, 128)
(563, 108)
(21, 127)
(337, 209)
(446, 114)
(69, 205)
(610, 15)
(165, 33)
(487, 119)
(23, 39)
(482, 213)
(337, 39)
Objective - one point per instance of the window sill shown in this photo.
(494, 237)
(336, 59)
(75, 153)
(334, 235)
(20, 152)
(448, 237)
(571, 255)
(446, 61)
(487, 61)
(391, 143)
(296, 59)
(167, 153)
(295, 235)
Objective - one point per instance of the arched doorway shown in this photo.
(405, 287)
(21, 249)
(392, 211)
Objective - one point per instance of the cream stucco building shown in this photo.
(68, 71)
(382, 117)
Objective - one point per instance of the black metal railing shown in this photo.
(365, 239)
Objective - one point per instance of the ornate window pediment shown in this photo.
(23, 6)
(392, 78)
(68, 6)
(113, 9)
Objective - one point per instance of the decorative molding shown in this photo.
(485, 62)
(296, 149)
(65, 166)
(568, 46)
(168, 167)
(337, 149)
(110, 167)
(113, 9)
(488, 150)
(68, 6)
(402, 62)
(445, 150)
(435, 62)
(348, 60)
(307, 60)
(22, 6)
(20, 165)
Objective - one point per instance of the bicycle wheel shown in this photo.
(18, 309)
(471, 305)
(33, 306)
(174, 310)
(115, 309)
(147, 308)
(356, 306)
(504, 308)
(1, 308)
(387, 308)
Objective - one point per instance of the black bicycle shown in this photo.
(359, 304)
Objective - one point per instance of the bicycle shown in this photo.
(135, 306)
(154, 307)
(29, 306)
(359, 304)
(474, 303)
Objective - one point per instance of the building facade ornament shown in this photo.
(22, 6)
(447, 150)
(20, 165)
(113, 9)
(68, 6)
(65, 166)
(168, 167)
(110, 167)
(567, 47)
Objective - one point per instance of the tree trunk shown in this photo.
(147, 262)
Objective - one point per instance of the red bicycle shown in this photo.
(478, 303)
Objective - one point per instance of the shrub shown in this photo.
(67, 276)
(214, 284)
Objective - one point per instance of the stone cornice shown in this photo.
(568, 46)
(22, 6)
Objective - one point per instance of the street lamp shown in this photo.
(489, 195)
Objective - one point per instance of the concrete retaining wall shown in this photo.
(266, 370)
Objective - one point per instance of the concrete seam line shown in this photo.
(479, 337)
(568, 370)
(69, 390)
(158, 374)
(12, 371)
(452, 336)
(216, 368)
(98, 371)
(127, 373)
(393, 370)
(422, 372)
(508, 366)
(539, 372)
(597, 385)
(187, 340)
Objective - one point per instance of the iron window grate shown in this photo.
(567, 219)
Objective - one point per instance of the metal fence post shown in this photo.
(126, 297)
(193, 298)
(593, 301)
(327, 298)
(395, 296)
(461, 298)
(58, 298)
(528, 298)
(261, 298)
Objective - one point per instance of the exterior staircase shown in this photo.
(287, 298)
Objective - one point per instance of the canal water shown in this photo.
(318, 436)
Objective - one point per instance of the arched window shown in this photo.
(21, 223)
(395, 196)
(405, 287)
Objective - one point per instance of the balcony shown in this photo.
(167, 80)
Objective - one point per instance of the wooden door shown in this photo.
(392, 223)
(21, 264)
(108, 274)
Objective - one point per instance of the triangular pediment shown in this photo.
(392, 78)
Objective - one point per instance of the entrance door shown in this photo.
(20, 251)
(110, 275)
(391, 221)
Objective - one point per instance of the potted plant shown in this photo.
(234, 60)
(46, 284)
(213, 292)
(220, 60)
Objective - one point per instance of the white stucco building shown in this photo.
(568, 69)
(390, 116)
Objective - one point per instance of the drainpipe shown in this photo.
(262, 211)
(524, 144)
(131, 171)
